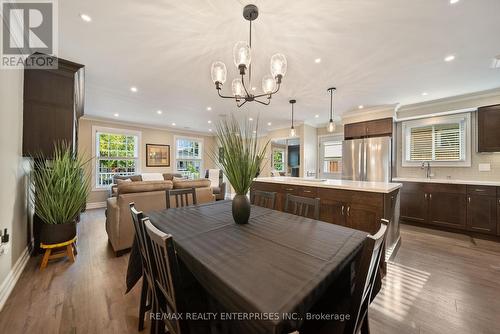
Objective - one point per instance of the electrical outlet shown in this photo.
(484, 167)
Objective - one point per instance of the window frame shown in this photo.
(115, 131)
(283, 162)
(201, 142)
(406, 127)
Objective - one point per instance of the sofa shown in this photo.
(147, 196)
(218, 185)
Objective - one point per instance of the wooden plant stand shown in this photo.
(55, 251)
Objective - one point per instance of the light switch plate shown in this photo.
(484, 167)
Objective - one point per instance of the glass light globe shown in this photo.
(219, 72)
(292, 132)
(237, 87)
(268, 84)
(241, 54)
(278, 65)
(331, 126)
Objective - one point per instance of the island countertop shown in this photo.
(377, 187)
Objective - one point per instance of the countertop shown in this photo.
(377, 187)
(449, 181)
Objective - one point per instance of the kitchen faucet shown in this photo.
(427, 169)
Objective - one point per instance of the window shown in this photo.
(189, 153)
(332, 157)
(445, 141)
(279, 160)
(116, 152)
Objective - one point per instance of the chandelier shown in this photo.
(242, 58)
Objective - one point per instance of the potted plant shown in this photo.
(239, 158)
(61, 186)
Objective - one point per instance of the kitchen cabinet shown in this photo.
(374, 128)
(482, 209)
(459, 207)
(488, 123)
(414, 202)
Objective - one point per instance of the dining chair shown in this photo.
(166, 278)
(372, 255)
(266, 199)
(181, 197)
(147, 281)
(299, 206)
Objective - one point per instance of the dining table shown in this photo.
(266, 274)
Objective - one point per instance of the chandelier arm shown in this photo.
(269, 94)
(244, 87)
(239, 105)
(264, 103)
(225, 97)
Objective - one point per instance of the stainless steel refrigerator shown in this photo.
(368, 159)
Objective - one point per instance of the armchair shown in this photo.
(218, 185)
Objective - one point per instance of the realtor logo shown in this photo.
(28, 27)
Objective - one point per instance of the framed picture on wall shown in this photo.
(157, 155)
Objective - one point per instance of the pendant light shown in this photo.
(331, 123)
(292, 129)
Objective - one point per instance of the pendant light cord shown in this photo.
(331, 105)
(292, 115)
(251, 51)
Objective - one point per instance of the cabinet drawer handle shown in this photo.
(349, 210)
(430, 196)
(425, 195)
(289, 189)
(342, 210)
(468, 198)
(308, 191)
(479, 190)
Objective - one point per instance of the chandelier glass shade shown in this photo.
(242, 56)
(292, 128)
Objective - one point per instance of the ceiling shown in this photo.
(374, 52)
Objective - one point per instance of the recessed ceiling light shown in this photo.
(133, 89)
(449, 58)
(317, 60)
(159, 112)
(254, 131)
(250, 119)
(116, 114)
(85, 17)
(173, 124)
(425, 94)
(254, 88)
(210, 130)
(454, 1)
(361, 106)
(316, 116)
(209, 122)
(209, 108)
(269, 123)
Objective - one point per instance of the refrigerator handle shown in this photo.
(365, 167)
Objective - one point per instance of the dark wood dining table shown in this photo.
(272, 269)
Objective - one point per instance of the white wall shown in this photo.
(13, 201)
(309, 150)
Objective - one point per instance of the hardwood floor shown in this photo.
(439, 282)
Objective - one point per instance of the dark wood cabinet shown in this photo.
(414, 203)
(375, 128)
(446, 205)
(482, 209)
(355, 209)
(488, 125)
(459, 207)
(53, 103)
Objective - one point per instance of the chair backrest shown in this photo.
(266, 199)
(181, 197)
(165, 274)
(300, 206)
(140, 234)
(366, 275)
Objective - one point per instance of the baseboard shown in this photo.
(95, 205)
(10, 281)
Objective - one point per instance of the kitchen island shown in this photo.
(356, 204)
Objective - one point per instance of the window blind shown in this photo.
(439, 142)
